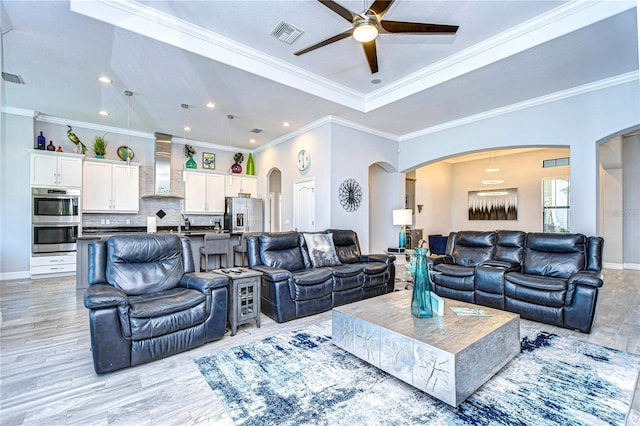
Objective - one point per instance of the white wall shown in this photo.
(316, 141)
(15, 202)
(578, 122)
(433, 191)
(354, 151)
(631, 188)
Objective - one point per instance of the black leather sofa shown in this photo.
(293, 288)
(550, 278)
(146, 302)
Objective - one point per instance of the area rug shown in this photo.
(301, 378)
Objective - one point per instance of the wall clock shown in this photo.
(350, 195)
(304, 158)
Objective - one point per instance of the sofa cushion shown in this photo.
(166, 312)
(144, 264)
(473, 248)
(554, 255)
(281, 250)
(510, 247)
(545, 291)
(346, 244)
(311, 284)
(454, 270)
(321, 250)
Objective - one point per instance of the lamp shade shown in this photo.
(402, 217)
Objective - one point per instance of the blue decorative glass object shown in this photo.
(42, 142)
(421, 298)
(191, 163)
(402, 237)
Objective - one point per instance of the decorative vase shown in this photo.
(191, 163)
(421, 297)
(42, 142)
(236, 168)
(251, 169)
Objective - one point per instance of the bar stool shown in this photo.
(215, 244)
(241, 249)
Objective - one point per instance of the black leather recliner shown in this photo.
(293, 288)
(551, 278)
(146, 302)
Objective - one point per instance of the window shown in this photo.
(555, 205)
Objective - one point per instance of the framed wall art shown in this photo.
(494, 204)
(208, 160)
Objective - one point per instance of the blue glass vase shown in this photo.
(421, 298)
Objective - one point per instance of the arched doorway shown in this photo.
(274, 201)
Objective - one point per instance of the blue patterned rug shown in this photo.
(301, 378)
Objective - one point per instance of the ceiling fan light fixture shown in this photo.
(365, 30)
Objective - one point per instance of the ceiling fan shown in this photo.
(366, 26)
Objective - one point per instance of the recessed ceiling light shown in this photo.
(492, 170)
(285, 124)
(211, 105)
(104, 79)
(252, 140)
(492, 181)
(103, 112)
(187, 128)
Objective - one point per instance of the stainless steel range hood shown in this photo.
(162, 168)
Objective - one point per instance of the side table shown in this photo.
(244, 296)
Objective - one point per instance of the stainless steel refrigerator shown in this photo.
(243, 215)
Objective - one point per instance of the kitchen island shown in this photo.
(195, 234)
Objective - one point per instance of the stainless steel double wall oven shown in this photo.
(55, 221)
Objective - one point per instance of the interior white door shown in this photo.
(304, 202)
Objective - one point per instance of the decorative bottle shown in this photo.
(51, 146)
(251, 168)
(421, 297)
(42, 142)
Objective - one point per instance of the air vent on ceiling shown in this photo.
(256, 130)
(12, 78)
(286, 32)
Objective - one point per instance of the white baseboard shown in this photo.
(635, 266)
(20, 275)
(611, 265)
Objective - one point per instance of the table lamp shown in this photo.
(402, 217)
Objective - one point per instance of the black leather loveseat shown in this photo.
(298, 281)
(551, 278)
(146, 302)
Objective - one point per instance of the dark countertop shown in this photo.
(93, 233)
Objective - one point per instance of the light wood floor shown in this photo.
(47, 377)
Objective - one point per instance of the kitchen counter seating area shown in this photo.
(550, 278)
(309, 273)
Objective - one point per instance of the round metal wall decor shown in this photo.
(350, 195)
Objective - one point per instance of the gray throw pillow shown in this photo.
(321, 250)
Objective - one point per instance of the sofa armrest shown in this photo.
(437, 260)
(384, 258)
(99, 296)
(502, 264)
(203, 281)
(586, 278)
(272, 274)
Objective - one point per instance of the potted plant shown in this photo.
(100, 146)
(189, 152)
(238, 158)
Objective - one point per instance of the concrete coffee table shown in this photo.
(448, 357)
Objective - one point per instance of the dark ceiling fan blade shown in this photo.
(340, 10)
(371, 54)
(416, 27)
(333, 39)
(380, 7)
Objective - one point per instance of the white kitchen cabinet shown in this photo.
(241, 183)
(110, 187)
(204, 193)
(43, 266)
(54, 169)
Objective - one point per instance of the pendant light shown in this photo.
(230, 117)
(128, 94)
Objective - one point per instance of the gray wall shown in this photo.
(631, 202)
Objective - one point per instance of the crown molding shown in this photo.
(553, 97)
(19, 111)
